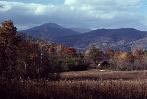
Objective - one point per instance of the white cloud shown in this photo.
(105, 9)
(4, 8)
(102, 3)
(29, 8)
(83, 13)
(70, 2)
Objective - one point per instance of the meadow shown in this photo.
(95, 74)
(92, 84)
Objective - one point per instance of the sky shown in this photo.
(76, 13)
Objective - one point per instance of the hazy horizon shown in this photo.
(74, 27)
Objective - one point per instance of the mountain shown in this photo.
(105, 38)
(122, 39)
(141, 43)
(81, 30)
(49, 31)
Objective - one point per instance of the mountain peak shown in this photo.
(52, 25)
(49, 31)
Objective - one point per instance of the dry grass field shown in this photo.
(92, 84)
(104, 75)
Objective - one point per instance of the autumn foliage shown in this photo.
(25, 57)
(33, 58)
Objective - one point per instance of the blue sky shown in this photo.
(76, 13)
(38, 1)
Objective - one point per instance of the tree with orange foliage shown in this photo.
(69, 52)
(123, 60)
(8, 46)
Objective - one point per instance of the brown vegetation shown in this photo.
(87, 89)
(104, 75)
(29, 69)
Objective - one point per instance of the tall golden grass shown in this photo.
(68, 89)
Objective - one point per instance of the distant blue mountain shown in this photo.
(49, 31)
(104, 38)
(123, 38)
(81, 30)
(117, 34)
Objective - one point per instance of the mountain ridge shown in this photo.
(49, 31)
(103, 38)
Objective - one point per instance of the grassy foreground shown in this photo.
(77, 89)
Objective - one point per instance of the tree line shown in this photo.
(25, 57)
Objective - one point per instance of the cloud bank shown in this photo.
(77, 13)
